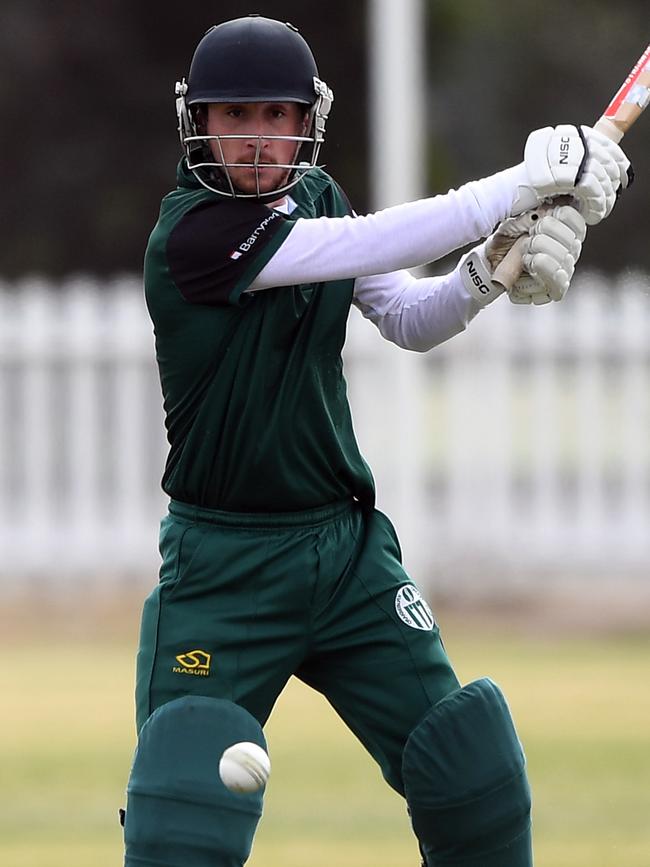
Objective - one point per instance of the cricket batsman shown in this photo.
(275, 561)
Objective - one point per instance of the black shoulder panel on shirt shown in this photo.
(212, 246)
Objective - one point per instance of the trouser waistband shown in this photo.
(303, 518)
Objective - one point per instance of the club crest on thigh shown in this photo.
(413, 609)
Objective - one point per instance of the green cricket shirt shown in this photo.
(255, 400)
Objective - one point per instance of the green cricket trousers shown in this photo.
(246, 601)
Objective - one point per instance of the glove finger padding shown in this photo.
(553, 276)
(529, 297)
(544, 245)
(499, 243)
(595, 193)
(550, 257)
(614, 161)
(606, 174)
(564, 224)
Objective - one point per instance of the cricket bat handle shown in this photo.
(629, 102)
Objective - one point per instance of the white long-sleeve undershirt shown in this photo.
(413, 313)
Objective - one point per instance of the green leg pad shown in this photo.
(465, 782)
(179, 813)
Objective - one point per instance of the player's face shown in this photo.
(254, 121)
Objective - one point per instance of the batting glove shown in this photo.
(549, 256)
(554, 242)
(576, 161)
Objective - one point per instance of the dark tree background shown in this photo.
(88, 126)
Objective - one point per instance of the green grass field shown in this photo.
(582, 707)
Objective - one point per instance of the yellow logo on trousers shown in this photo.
(196, 662)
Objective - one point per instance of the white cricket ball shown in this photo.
(244, 767)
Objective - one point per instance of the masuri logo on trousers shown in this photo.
(196, 662)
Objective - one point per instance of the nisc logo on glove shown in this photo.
(475, 277)
(565, 145)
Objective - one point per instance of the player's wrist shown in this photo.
(524, 196)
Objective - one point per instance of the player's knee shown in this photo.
(179, 813)
(465, 781)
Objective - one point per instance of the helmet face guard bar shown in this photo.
(215, 174)
(223, 167)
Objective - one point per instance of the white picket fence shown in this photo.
(518, 449)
